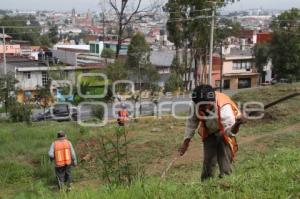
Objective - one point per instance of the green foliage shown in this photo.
(261, 52)
(138, 51)
(20, 112)
(114, 158)
(138, 61)
(173, 83)
(227, 28)
(29, 33)
(108, 53)
(12, 172)
(44, 95)
(98, 112)
(7, 90)
(285, 44)
(53, 34)
(117, 71)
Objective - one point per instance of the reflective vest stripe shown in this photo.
(123, 115)
(62, 151)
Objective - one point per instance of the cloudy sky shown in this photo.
(83, 5)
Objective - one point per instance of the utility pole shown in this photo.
(4, 50)
(211, 44)
(140, 82)
(221, 72)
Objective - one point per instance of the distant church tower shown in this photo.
(73, 16)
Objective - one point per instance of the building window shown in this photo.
(97, 48)
(27, 75)
(92, 48)
(226, 84)
(45, 79)
(244, 64)
(244, 83)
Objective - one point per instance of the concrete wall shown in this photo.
(66, 57)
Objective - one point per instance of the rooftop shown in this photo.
(162, 57)
(5, 36)
(237, 53)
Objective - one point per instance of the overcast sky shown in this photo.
(83, 5)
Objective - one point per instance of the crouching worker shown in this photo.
(217, 119)
(62, 152)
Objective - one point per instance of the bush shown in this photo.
(173, 83)
(98, 112)
(20, 113)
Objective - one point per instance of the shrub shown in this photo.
(20, 113)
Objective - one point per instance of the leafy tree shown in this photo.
(7, 90)
(261, 52)
(116, 71)
(138, 61)
(227, 28)
(173, 83)
(107, 53)
(187, 17)
(30, 33)
(53, 34)
(44, 95)
(285, 44)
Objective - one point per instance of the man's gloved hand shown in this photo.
(184, 147)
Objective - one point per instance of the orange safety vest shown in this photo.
(62, 153)
(222, 100)
(123, 114)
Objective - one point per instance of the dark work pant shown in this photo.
(216, 150)
(63, 175)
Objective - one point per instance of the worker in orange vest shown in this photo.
(217, 119)
(63, 154)
(122, 115)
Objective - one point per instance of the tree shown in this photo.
(44, 95)
(261, 53)
(173, 83)
(192, 19)
(18, 28)
(7, 90)
(285, 44)
(107, 53)
(125, 13)
(116, 71)
(138, 61)
(53, 34)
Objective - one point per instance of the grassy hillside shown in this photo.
(267, 164)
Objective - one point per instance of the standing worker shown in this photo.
(217, 119)
(122, 115)
(63, 153)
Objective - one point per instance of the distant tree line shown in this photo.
(28, 29)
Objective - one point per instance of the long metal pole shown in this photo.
(140, 81)
(4, 50)
(221, 72)
(211, 44)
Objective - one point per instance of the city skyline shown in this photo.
(83, 5)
